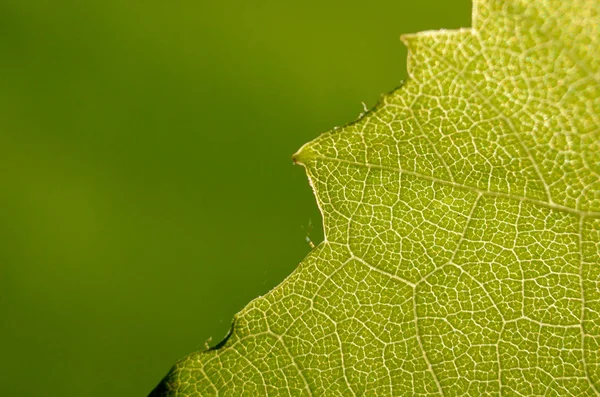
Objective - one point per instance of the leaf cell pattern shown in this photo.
(462, 230)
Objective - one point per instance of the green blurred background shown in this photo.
(147, 187)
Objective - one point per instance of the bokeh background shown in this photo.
(147, 190)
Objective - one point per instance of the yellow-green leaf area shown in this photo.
(462, 230)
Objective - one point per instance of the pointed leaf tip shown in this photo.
(303, 155)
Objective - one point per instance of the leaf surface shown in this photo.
(462, 229)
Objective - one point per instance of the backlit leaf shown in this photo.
(462, 229)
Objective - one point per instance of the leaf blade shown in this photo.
(461, 220)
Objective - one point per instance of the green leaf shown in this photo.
(462, 229)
